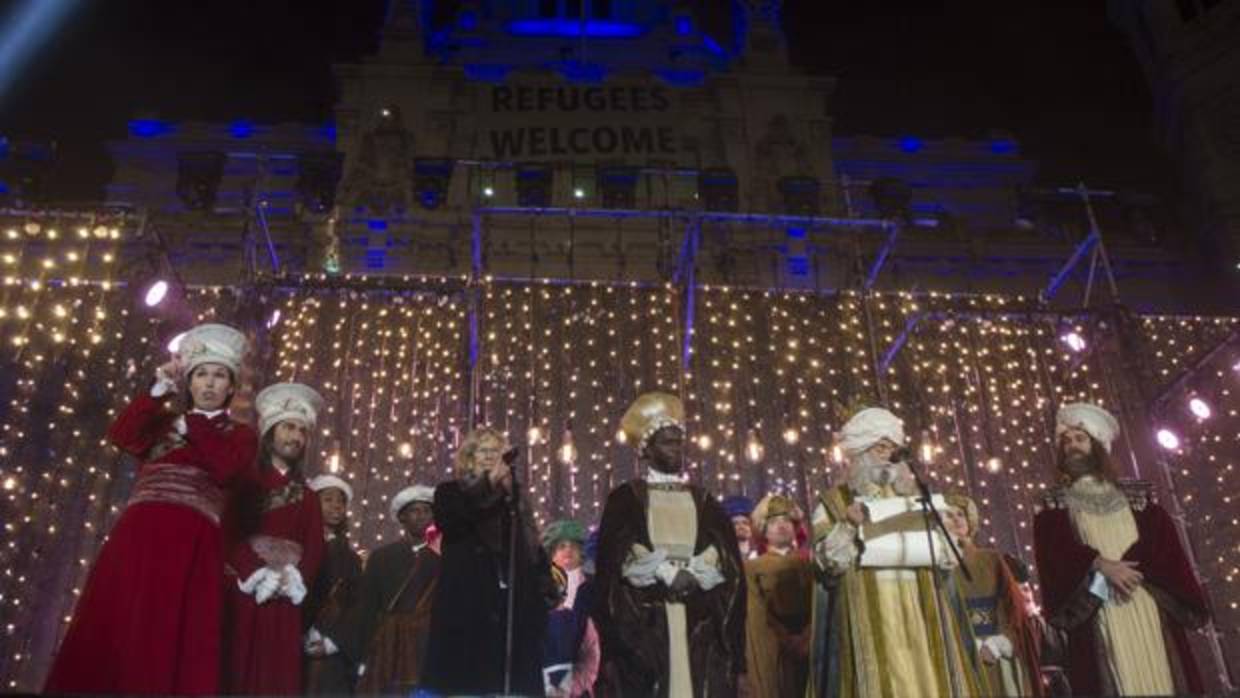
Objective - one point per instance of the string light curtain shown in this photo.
(771, 375)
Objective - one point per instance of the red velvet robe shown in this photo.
(148, 620)
(263, 644)
(1064, 570)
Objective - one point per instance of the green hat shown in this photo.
(562, 530)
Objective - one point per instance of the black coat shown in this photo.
(632, 622)
(467, 640)
(326, 608)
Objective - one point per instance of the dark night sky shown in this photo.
(1054, 74)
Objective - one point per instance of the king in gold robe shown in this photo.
(880, 617)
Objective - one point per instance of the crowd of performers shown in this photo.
(230, 571)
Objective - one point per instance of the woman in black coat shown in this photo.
(466, 649)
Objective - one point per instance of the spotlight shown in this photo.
(1074, 341)
(1199, 408)
(488, 192)
(156, 293)
(274, 319)
(579, 193)
(1167, 439)
(175, 343)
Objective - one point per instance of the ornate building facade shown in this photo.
(621, 140)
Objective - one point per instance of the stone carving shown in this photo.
(778, 154)
(380, 172)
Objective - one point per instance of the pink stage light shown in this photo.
(1200, 408)
(156, 293)
(1167, 439)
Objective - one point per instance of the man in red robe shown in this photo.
(276, 552)
(148, 620)
(1116, 581)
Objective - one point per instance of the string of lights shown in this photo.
(771, 375)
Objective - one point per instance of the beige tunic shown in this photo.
(1131, 631)
(672, 522)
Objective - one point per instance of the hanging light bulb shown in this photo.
(621, 437)
(534, 437)
(994, 465)
(1167, 439)
(1200, 408)
(406, 450)
(753, 448)
(791, 435)
(568, 451)
(927, 452)
(704, 442)
(837, 454)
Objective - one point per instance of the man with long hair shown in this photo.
(277, 548)
(1116, 582)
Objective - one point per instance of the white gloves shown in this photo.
(837, 552)
(263, 584)
(999, 646)
(164, 384)
(645, 567)
(266, 583)
(642, 567)
(291, 585)
(313, 637)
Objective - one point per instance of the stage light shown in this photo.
(175, 343)
(274, 319)
(488, 192)
(156, 293)
(927, 452)
(704, 442)
(10, 484)
(1199, 408)
(406, 450)
(621, 438)
(1167, 439)
(791, 435)
(579, 193)
(994, 465)
(534, 437)
(1074, 341)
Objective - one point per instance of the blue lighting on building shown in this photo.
(376, 259)
(486, 72)
(1002, 147)
(684, 25)
(376, 224)
(149, 128)
(683, 78)
(798, 265)
(241, 129)
(910, 144)
(599, 28)
(4, 188)
(796, 233)
(590, 73)
(328, 132)
(468, 20)
(714, 47)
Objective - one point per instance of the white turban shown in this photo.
(324, 482)
(211, 344)
(287, 401)
(409, 495)
(868, 427)
(1091, 419)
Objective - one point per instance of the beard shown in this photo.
(1077, 465)
(868, 469)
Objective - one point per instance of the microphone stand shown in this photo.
(514, 523)
(933, 520)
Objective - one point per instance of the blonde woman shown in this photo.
(466, 650)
